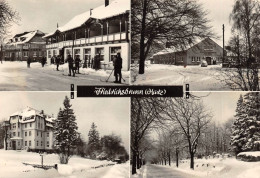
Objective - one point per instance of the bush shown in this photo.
(249, 156)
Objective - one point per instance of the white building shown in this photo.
(102, 30)
(31, 129)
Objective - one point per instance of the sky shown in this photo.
(221, 104)
(218, 14)
(44, 15)
(111, 115)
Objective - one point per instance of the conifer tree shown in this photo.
(65, 131)
(93, 141)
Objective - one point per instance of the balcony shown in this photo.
(84, 41)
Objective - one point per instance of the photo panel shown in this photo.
(47, 134)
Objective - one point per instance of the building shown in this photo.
(206, 50)
(103, 30)
(31, 129)
(24, 45)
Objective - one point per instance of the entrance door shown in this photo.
(208, 59)
(14, 145)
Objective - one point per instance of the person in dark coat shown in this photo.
(28, 62)
(58, 59)
(70, 62)
(77, 61)
(53, 59)
(43, 61)
(118, 68)
(95, 65)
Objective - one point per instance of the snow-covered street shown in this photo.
(199, 78)
(204, 168)
(15, 76)
(11, 165)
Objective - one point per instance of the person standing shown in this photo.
(58, 62)
(43, 61)
(28, 62)
(118, 68)
(77, 61)
(70, 62)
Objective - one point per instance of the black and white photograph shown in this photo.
(47, 45)
(213, 45)
(47, 134)
(213, 135)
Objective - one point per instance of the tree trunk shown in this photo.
(169, 158)
(177, 158)
(138, 160)
(142, 46)
(134, 163)
(191, 160)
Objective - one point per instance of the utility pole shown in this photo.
(223, 43)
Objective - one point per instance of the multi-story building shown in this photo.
(100, 31)
(206, 50)
(31, 129)
(24, 45)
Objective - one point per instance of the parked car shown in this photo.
(204, 64)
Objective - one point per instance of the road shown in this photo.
(155, 171)
(15, 76)
(199, 78)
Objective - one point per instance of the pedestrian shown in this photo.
(118, 68)
(58, 59)
(70, 62)
(43, 61)
(53, 59)
(28, 62)
(77, 61)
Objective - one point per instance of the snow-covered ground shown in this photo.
(15, 76)
(11, 165)
(199, 78)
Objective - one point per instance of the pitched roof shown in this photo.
(115, 8)
(25, 37)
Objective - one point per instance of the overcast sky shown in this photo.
(111, 115)
(45, 14)
(222, 104)
(218, 13)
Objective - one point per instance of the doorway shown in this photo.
(208, 59)
(14, 145)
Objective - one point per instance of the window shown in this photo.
(37, 143)
(48, 144)
(37, 133)
(30, 133)
(25, 143)
(14, 125)
(30, 143)
(38, 124)
(30, 124)
(40, 53)
(41, 134)
(14, 134)
(49, 53)
(76, 53)
(25, 134)
(18, 143)
(68, 52)
(25, 53)
(198, 59)
(54, 52)
(25, 125)
(34, 53)
(87, 54)
(113, 52)
(193, 59)
(101, 52)
(18, 134)
(48, 134)
(41, 143)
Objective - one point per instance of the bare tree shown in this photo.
(175, 22)
(192, 117)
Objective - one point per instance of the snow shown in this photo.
(27, 37)
(11, 165)
(250, 153)
(115, 7)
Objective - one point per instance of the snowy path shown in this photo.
(156, 171)
(15, 76)
(199, 78)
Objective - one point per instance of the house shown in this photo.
(207, 50)
(24, 45)
(30, 129)
(103, 31)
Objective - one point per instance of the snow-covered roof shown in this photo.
(24, 38)
(165, 51)
(115, 8)
(16, 138)
(50, 119)
(27, 115)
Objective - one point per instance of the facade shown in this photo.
(31, 129)
(206, 50)
(100, 31)
(24, 45)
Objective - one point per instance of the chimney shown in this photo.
(106, 3)
(90, 11)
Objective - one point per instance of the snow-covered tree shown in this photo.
(246, 128)
(93, 141)
(65, 130)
